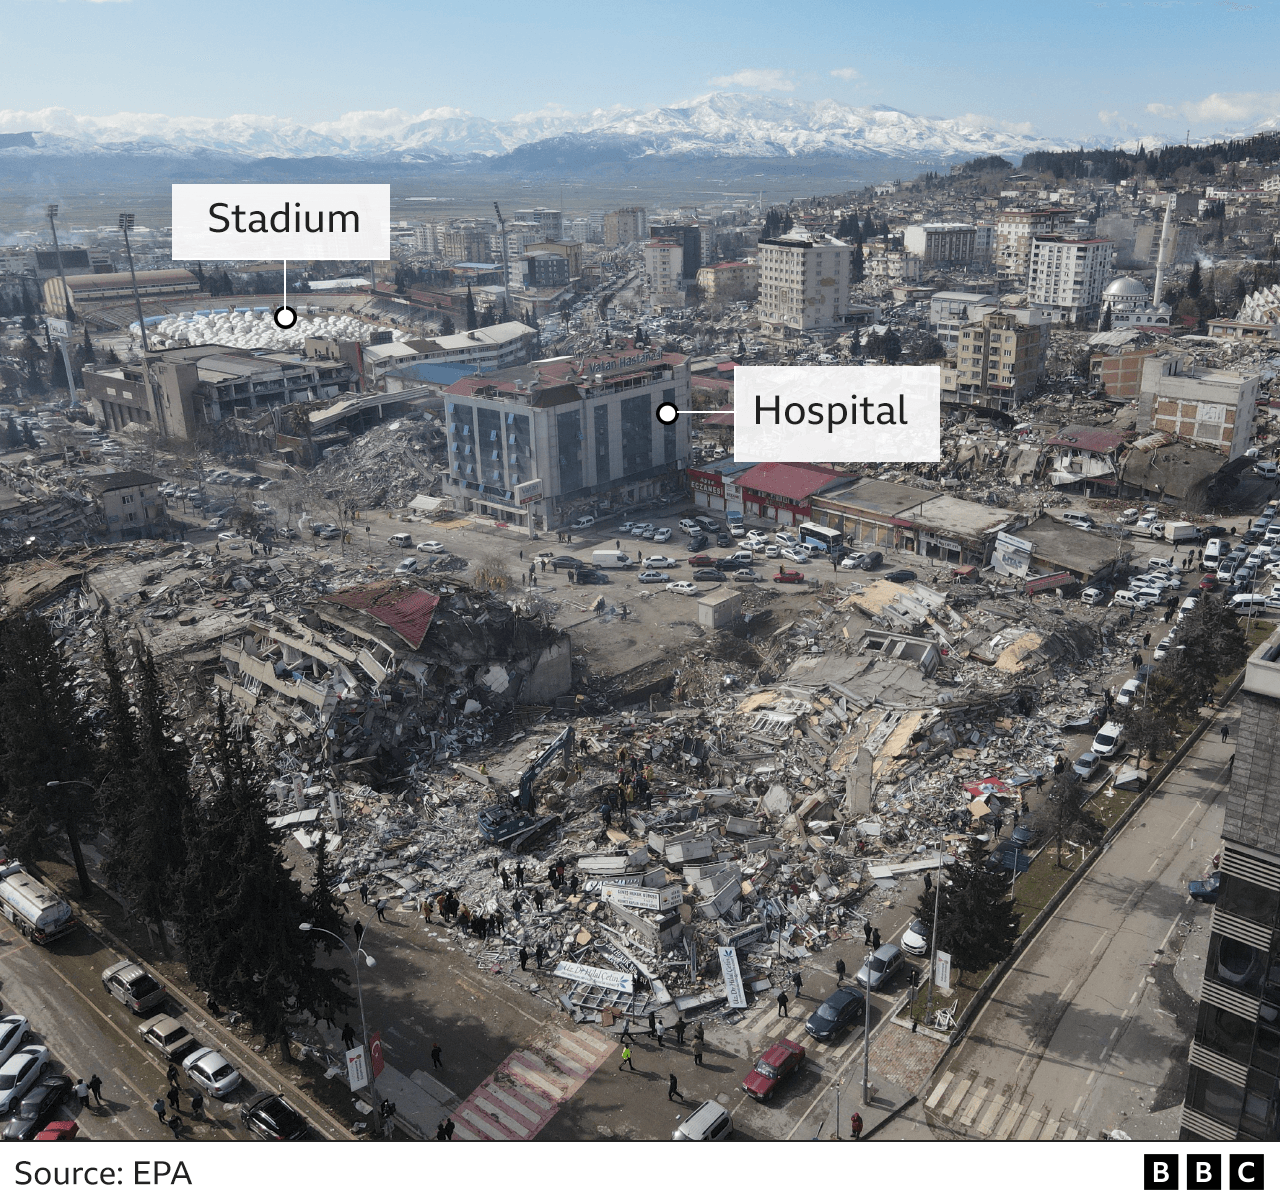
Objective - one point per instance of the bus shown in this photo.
(823, 538)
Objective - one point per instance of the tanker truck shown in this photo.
(35, 909)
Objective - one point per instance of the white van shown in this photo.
(400, 540)
(1214, 550)
(1072, 516)
(710, 1121)
(583, 523)
(1249, 603)
(1124, 597)
(611, 559)
(1268, 471)
(1157, 562)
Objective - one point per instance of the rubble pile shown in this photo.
(44, 505)
(387, 467)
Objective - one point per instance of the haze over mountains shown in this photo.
(722, 124)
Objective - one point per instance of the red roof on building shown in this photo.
(1089, 438)
(405, 608)
(787, 480)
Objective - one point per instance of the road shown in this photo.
(1086, 1031)
(58, 988)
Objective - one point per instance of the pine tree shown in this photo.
(323, 908)
(858, 268)
(12, 435)
(28, 437)
(57, 371)
(240, 909)
(87, 348)
(977, 925)
(1214, 644)
(46, 738)
(1193, 281)
(471, 309)
(1105, 324)
(446, 326)
(118, 752)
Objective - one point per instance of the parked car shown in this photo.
(737, 529)
(915, 939)
(1093, 596)
(216, 524)
(901, 576)
(406, 566)
(747, 575)
(723, 540)
(686, 524)
(652, 578)
(795, 554)
(774, 1067)
(131, 984)
(583, 523)
(1024, 836)
(881, 967)
(59, 1129)
(36, 1109)
(702, 561)
(1128, 691)
(14, 1030)
(212, 1072)
(784, 539)
(1087, 764)
(268, 1116)
(659, 561)
(590, 576)
(685, 587)
(788, 576)
(710, 1122)
(1205, 890)
(841, 1010)
(169, 1035)
(1109, 740)
(1208, 582)
(19, 1073)
(699, 542)
(773, 551)
(852, 561)
(710, 525)
(431, 547)
(709, 574)
(566, 561)
(662, 534)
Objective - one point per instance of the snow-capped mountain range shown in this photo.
(719, 124)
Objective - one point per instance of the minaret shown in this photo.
(1164, 257)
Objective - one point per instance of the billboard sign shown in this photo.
(357, 1069)
(528, 492)
(734, 992)
(623, 982)
(942, 974)
(666, 898)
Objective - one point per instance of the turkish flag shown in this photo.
(375, 1053)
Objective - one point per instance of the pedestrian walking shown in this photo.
(436, 1062)
(82, 1091)
(440, 1135)
(381, 909)
(1226, 732)
(364, 892)
(1039, 782)
(573, 883)
(653, 1023)
(928, 882)
(95, 1088)
(159, 1107)
(617, 544)
(680, 1028)
(839, 972)
(626, 1036)
(197, 1104)
(522, 556)
(538, 953)
(1146, 639)
(697, 1045)
(449, 1128)
(358, 931)
(866, 933)
(538, 899)
(797, 981)
(519, 874)
(172, 1075)
(348, 1036)
(175, 1125)
(606, 813)
(506, 880)
(175, 1097)
(673, 1089)
(875, 942)
(626, 1059)
(660, 1030)
(782, 1003)
(699, 1032)
(426, 911)
(524, 959)
(855, 1125)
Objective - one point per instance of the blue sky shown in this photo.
(1062, 69)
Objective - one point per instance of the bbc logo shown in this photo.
(1204, 1170)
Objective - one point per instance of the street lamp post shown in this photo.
(866, 1035)
(364, 1026)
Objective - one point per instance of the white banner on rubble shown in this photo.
(666, 898)
(734, 992)
(357, 1068)
(1011, 556)
(942, 973)
(623, 982)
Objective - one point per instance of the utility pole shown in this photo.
(933, 936)
(68, 313)
(125, 223)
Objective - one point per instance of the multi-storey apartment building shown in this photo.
(1066, 276)
(939, 242)
(804, 283)
(999, 360)
(625, 225)
(1204, 405)
(1016, 227)
(664, 269)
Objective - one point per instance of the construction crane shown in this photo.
(506, 271)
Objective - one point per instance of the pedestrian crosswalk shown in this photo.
(526, 1090)
(978, 1106)
(765, 1028)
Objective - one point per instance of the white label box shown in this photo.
(840, 414)
(281, 221)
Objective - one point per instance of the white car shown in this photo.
(227, 536)
(583, 523)
(262, 507)
(1109, 740)
(652, 578)
(216, 524)
(783, 539)
(663, 535)
(688, 525)
(737, 530)
(1254, 560)
(212, 1072)
(795, 554)
(772, 551)
(407, 565)
(658, 561)
(1163, 647)
(1128, 691)
(747, 574)
(14, 1028)
(685, 588)
(19, 1073)
(431, 547)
